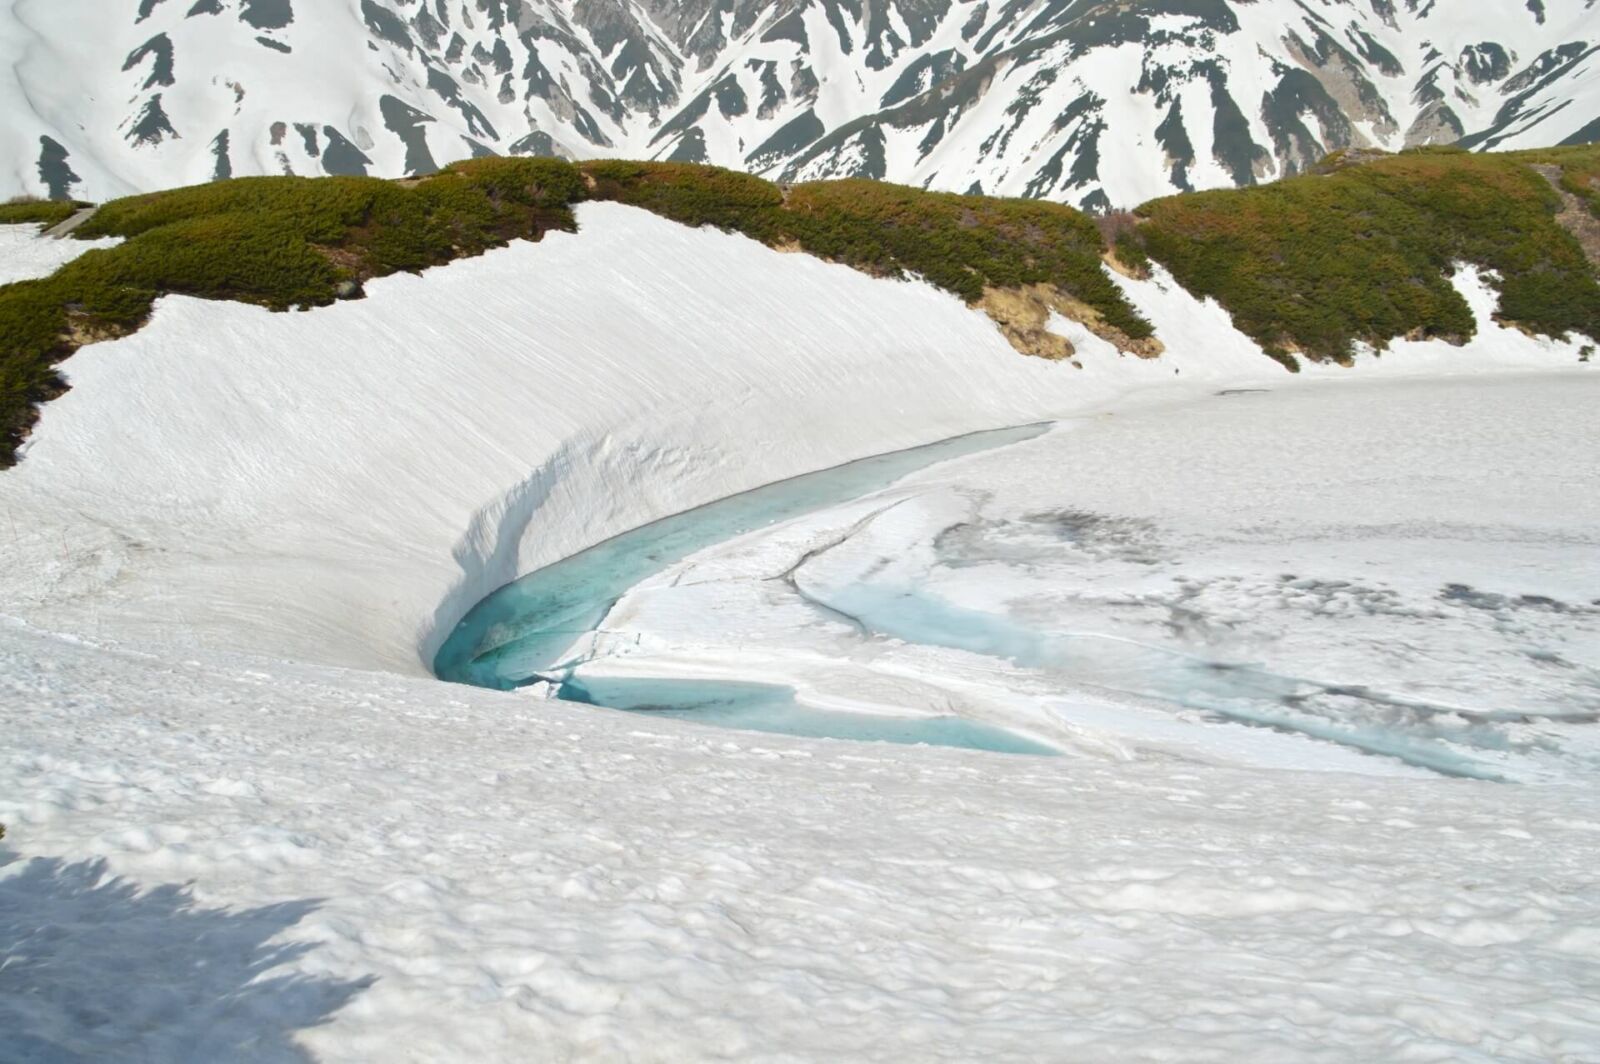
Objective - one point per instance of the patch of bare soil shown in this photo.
(1575, 216)
(1023, 315)
(1137, 273)
(84, 329)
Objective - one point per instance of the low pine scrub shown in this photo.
(1363, 250)
(962, 244)
(275, 241)
(29, 211)
(1580, 170)
(284, 242)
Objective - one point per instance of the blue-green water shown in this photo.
(772, 708)
(519, 633)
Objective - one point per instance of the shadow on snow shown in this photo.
(94, 967)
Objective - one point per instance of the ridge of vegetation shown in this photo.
(284, 242)
(279, 242)
(28, 209)
(1580, 170)
(1361, 250)
(967, 245)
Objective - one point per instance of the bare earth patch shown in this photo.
(1023, 315)
(1574, 216)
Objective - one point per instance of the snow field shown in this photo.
(25, 255)
(230, 548)
(1415, 560)
(511, 879)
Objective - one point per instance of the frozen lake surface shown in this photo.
(1410, 571)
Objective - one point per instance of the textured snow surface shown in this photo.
(597, 380)
(512, 880)
(1409, 569)
(230, 546)
(25, 255)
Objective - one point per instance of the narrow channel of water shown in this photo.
(774, 708)
(520, 633)
(524, 632)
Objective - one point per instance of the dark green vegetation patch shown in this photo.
(284, 242)
(38, 212)
(963, 244)
(279, 242)
(1363, 249)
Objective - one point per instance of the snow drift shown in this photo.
(341, 485)
(235, 517)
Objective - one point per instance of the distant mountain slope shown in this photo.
(1090, 102)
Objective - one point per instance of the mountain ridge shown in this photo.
(1094, 103)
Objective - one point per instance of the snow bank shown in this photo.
(341, 485)
(318, 484)
(25, 254)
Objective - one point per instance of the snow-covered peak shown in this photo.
(1092, 103)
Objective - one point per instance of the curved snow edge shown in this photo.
(340, 486)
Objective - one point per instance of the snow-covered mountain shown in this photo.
(1091, 102)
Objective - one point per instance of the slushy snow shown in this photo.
(1403, 569)
(233, 545)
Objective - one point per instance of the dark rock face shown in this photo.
(406, 122)
(266, 14)
(219, 149)
(159, 50)
(54, 172)
(152, 125)
(341, 156)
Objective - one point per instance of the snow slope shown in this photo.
(24, 255)
(214, 498)
(232, 545)
(1095, 102)
(454, 406)
(449, 874)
